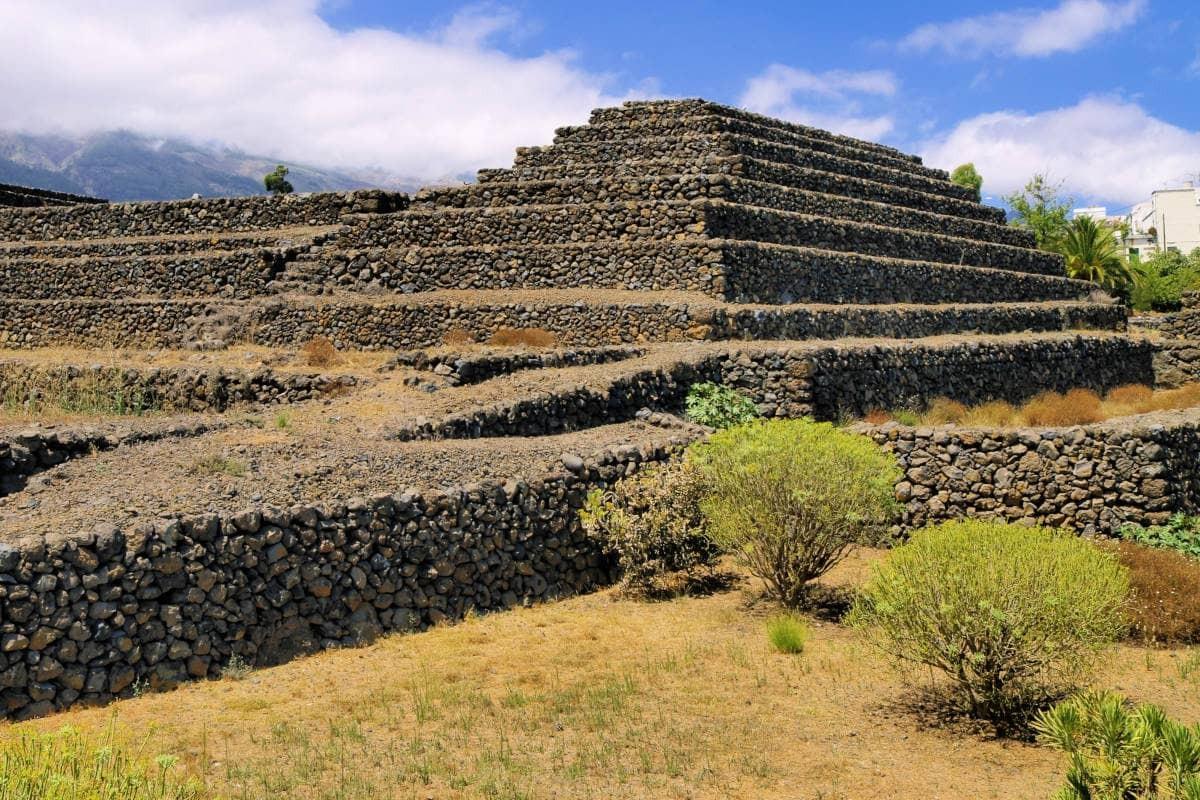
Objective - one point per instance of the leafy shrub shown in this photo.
(652, 523)
(787, 633)
(65, 765)
(523, 337)
(1164, 607)
(1162, 280)
(789, 498)
(319, 352)
(276, 181)
(966, 175)
(1181, 533)
(1122, 753)
(718, 406)
(1011, 615)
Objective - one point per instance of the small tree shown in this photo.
(1093, 254)
(276, 181)
(966, 175)
(1040, 208)
(1011, 615)
(789, 498)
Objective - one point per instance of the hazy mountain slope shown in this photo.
(120, 165)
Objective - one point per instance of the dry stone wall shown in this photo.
(26, 197)
(87, 618)
(1093, 478)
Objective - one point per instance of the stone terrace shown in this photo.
(269, 507)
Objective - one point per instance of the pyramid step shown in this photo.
(732, 270)
(534, 162)
(641, 111)
(561, 224)
(678, 127)
(235, 273)
(575, 191)
(141, 246)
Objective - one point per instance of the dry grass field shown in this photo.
(600, 697)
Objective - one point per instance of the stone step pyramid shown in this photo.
(657, 221)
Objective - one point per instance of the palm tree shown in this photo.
(1093, 254)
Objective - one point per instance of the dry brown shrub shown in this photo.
(1164, 605)
(319, 352)
(1183, 397)
(943, 410)
(458, 337)
(1076, 407)
(523, 337)
(1133, 395)
(996, 413)
(877, 416)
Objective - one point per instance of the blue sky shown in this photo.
(1101, 93)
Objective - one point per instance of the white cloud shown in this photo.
(273, 78)
(1070, 27)
(1102, 148)
(831, 100)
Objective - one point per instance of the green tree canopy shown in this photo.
(276, 181)
(1040, 208)
(967, 175)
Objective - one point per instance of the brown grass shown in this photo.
(523, 337)
(1076, 407)
(598, 697)
(319, 352)
(877, 416)
(458, 337)
(1165, 604)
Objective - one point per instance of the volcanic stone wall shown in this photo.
(1092, 479)
(94, 616)
(26, 197)
(192, 216)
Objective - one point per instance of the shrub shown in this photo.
(458, 337)
(1011, 615)
(992, 413)
(652, 523)
(65, 764)
(718, 406)
(219, 465)
(523, 337)
(942, 410)
(1164, 607)
(789, 498)
(319, 352)
(1120, 752)
(787, 633)
(276, 181)
(1181, 533)
(1132, 394)
(966, 175)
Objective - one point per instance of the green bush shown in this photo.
(276, 181)
(652, 523)
(1162, 278)
(787, 633)
(66, 765)
(1119, 752)
(1181, 533)
(719, 406)
(966, 175)
(789, 498)
(1012, 615)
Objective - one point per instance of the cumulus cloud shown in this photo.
(271, 77)
(832, 100)
(1068, 28)
(1103, 148)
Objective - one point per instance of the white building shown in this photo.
(1170, 220)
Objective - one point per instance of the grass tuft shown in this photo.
(219, 465)
(523, 337)
(319, 352)
(787, 633)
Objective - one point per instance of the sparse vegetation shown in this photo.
(236, 668)
(789, 498)
(319, 352)
(652, 523)
(99, 392)
(276, 181)
(219, 465)
(1181, 533)
(67, 765)
(787, 633)
(1011, 616)
(1075, 407)
(523, 337)
(718, 406)
(283, 421)
(1122, 752)
(1164, 604)
(458, 337)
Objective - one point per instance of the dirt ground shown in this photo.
(602, 697)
